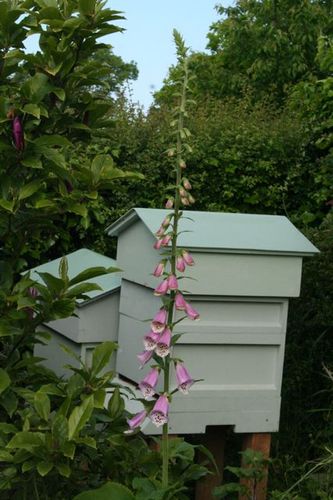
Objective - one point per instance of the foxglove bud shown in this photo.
(169, 203)
(148, 384)
(158, 244)
(172, 282)
(159, 269)
(187, 184)
(180, 264)
(191, 312)
(159, 321)
(166, 240)
(162, 288)
(166, 222)
(160, 231)
(182, 164)
(144, 357)
(137, 420)
(191, 199)
(185, 202)
(184, 379)
(188, 258)
(180, 302)
(183, 193)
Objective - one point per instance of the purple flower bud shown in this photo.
(180, 302)
(173, 283)
(159, 269)
(163, 344)
(69, 186)
(159, 321)
(187, 184)
(150, 341)
(148, 384)
(159, 414)
(158, 244)
(162, 288)
(166, 240)
(180, 264)
(184, 379)
(183, 193)
(169, 203)
(137, 420)
(191, 312)
(144, 357)
(18, 133)
(188, 258)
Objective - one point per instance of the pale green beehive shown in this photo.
(97, 317)
(246, 268)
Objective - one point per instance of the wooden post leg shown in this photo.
(258, 442)
(214, 441)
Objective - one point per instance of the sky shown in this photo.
(148, 37)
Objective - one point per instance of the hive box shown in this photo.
(246, 268)
(97, 317)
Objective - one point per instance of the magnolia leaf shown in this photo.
(92, 272)
(64, 469)
(79, 417)
(42, 405)
(27, 440)
(4, 380)
(32, 109)
(109, 491)
(101, 356)
(29, 189)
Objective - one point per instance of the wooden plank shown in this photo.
(214, 441)
(258, 442)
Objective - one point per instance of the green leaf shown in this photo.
(7, 204)
(52, 140)
(9, 402)
(5, 456)
(7, 428)
(32, 109)
(64, 469)
(60, 429)
(68, 450)
(109, 491)
(55, 285)
(87, 7)
(101, 356)
(116, 404)
(32, 162)
(27, 441)
(7, 329)
(88, 441)
(92, 272)
(4, 380)
(80, 416)
(81, 289)
(44, 468)
(42, 405)
(29, 189)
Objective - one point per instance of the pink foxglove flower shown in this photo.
(148, 384)
(166, 240)
(18, 133)
(163, 344)
(172, 282)
(180, 264)
(137, 420)
(184, 379)
(162, 288)
(191, 312)
(159, 269)
(159, 414)
(188, 258)
(159, 321)
(180, 302)
(144, 357)
(169, 203)
(150, 341)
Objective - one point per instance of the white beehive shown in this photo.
(246, 268)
